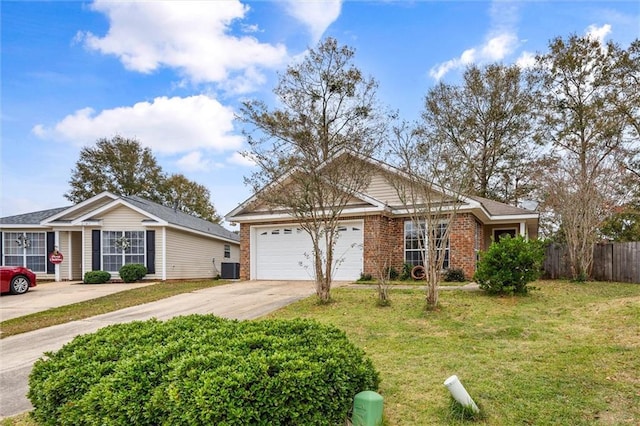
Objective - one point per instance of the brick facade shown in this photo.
(384, 237)
(462, 244)
(245, 250)
(384, 244)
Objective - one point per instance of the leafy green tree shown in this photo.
(326, 107)
(189, 197)
(123, 167)
(589, 118)
(118, 165)
(623, 226)
(487, 123)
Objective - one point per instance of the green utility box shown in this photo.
(367, 409)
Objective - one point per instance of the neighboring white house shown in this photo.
(107, 231)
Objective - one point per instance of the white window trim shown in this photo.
(447, 249)
(123, 253)
(23, 255)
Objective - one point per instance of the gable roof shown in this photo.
(486, 209)
(86, 210)
(181, 219)
(496, 208)
(33, 218)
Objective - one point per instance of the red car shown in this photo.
(16, 279)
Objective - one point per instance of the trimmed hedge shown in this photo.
(96, 277)
(202, 370)
(132, 272)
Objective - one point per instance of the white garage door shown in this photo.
(284, 252)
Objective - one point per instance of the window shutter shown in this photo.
(151, 252)
(1, 252)
(51, 243)
(95, 250)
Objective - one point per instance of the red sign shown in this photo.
(55, 257)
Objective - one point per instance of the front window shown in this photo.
(27, 249)
(121, 248)
(415, 243)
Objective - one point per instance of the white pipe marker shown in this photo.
(460, 394)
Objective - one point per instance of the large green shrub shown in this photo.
(202, 370)
(509, 265)
(96, 277)
(132, 272)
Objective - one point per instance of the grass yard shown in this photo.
(568, 354)
(101, 305)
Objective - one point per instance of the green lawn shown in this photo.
(101, 305)
(568, 354)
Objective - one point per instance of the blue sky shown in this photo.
(171, 74)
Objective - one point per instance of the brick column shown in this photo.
(245, 250)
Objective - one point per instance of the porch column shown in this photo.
(56, 243)
(523, 230)
(70, 261)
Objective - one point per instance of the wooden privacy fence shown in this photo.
(611, 262)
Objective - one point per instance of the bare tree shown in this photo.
(327, 109)
(430, 189)
(591, 129)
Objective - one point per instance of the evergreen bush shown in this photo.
(202, 370)
(405, 275)
(132, 272)
(96, 277)
(509, 265)
(454, 275)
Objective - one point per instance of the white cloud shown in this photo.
(598, 33)
(193, 162)
(190, 36)
(166, 125)
(317, 15)
(498, 47)
(240, 160)
(526, 60)
(501, 41)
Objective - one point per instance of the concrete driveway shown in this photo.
(242, 300)
(49, 295)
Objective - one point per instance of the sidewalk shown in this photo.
(467, 287)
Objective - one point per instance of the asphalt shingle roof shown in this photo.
(33, 218)
(176, 217)
(496, 208)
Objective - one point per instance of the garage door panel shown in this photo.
(285, 252)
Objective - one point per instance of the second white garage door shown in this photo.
(284, 252)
